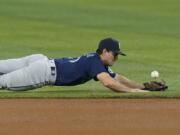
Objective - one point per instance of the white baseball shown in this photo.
(154, 74)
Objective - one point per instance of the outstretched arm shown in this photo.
(122, 79)
(115, 85)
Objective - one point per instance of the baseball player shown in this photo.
(38, 70)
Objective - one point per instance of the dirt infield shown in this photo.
(89, 116)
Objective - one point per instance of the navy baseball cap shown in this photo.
(111, 45)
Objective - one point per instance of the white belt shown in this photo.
(53, 71)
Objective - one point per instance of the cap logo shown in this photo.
(119, 44)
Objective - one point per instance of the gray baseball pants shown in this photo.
(27, 73)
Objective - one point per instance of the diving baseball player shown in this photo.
(37, 70)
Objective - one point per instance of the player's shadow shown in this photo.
(64, 91)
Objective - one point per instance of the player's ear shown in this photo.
(104, 50)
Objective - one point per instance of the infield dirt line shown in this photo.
(89, 116)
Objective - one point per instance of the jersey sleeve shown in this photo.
(97, 67)
(111, 73)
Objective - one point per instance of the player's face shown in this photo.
(110, 57)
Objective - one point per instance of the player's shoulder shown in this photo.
(90, 55)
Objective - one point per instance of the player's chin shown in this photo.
(111, 63)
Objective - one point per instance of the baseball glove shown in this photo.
(155, 86)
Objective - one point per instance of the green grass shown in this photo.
(148, 30)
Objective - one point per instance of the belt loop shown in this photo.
(53, 71)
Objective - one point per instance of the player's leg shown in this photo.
(9, 65)
(36, 75)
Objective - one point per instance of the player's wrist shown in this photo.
(143, 86)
